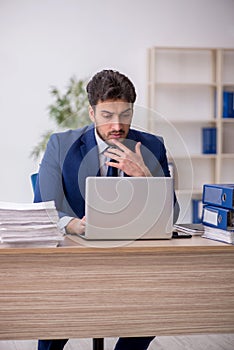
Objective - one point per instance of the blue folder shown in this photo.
(218, 217)
(228, 104)
(221, 195)
(196, 211)
(209, 140)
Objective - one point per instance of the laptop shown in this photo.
(129, 208)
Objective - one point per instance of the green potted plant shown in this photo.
(69, 111)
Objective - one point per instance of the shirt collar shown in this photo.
(102, 145)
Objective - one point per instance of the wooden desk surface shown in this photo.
(182, 286)
(74, 244)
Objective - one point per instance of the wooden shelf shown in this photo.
(230, 84)
(194, 157)
(227, 155)
(192, 121)
(185, 86)
(227, 120)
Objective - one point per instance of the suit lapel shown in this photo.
(89, 153)
(81, 161)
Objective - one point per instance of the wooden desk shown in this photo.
(144, 288)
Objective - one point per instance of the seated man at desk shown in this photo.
(108, 142)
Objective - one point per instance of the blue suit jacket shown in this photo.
(72, 156)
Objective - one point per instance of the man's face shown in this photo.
(112, 119)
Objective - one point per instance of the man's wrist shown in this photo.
(71, 226)
(63, 222)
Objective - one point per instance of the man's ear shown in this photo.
(91, 114)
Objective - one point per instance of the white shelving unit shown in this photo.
(185, 94)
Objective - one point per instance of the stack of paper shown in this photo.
(29, 224)
(226, 236)
(193, 229)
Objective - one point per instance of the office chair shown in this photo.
(98, 343)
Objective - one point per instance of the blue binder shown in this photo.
(218, 217)
(221, 195)
(209, 140)
(196, 211)
(228, 104)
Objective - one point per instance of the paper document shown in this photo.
(29, 224)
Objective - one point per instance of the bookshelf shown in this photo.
(185, 94)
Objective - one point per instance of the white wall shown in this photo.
(43, 43)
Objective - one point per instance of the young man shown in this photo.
(109, 141)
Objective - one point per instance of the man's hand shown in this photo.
(76, 226)
(131, 163)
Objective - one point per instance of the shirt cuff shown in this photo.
(62, 223)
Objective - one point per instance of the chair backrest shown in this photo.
(34, 180)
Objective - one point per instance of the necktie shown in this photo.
(112, 171)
